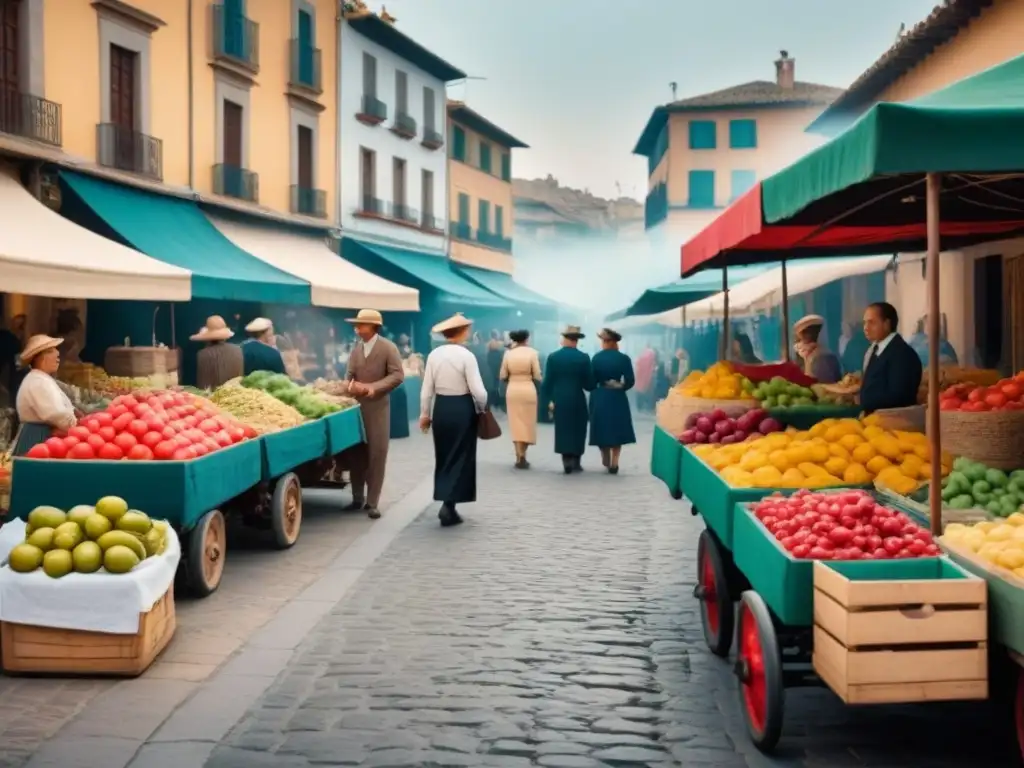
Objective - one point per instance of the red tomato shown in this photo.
(801, 551)
(110, 452)
(103, 418)
(82, 451)
(182, 454)
(116, 411)
(56, 448)
(190, 421)
(70, 442)
(222, 438)
(150, 439)
(164, 450)
(96, 442)
(195, 434)
(129, 402)
(200, 450)
(80, 432)
(1012, 390)
(39, 451)
(140, 453)
(107, 433)
(210, 443)
(168, 432)
(818, 553)
(122, 421)
(977, 395)
(237, 435)
(200, 414)
(892, 545)
(125, 441)
(182, 441)
(995, 399)
(250, 433)
(138, 428)
(208, 426)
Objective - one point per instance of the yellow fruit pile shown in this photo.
(719, 382)
(833, 452)
(998, 542)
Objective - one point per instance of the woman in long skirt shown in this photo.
(611, 424)
(452, 397)
(521, 369)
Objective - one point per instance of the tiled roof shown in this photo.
(473, 120)
(382, 30)
(575, 205)
(759, 93)
(940, 26)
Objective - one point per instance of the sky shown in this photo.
(577, 80)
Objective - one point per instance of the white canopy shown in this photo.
(44, 254)
(334, 282)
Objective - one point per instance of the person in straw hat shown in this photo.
(258, 351)
(374, 369)
(818, 361)
(567, 379)
(611, 423)
(41, 404)
(452, 396)
(218, 362)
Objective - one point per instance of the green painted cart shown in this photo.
(806, 416)
(666, 453)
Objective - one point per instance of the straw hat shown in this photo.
(807, 321)
(366, 317)
(214, 330)
(259, 325)
(573, 332)
(38, 344)
(607, 334)
(455, 321)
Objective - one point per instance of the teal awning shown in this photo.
(505, 286)
(176, 232)
(689, 290)
(428, 273)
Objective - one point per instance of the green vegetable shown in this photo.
(1017, 476)
(963, 501)
(994, 508)
(996, 478)
(975, 472)
(961, 463)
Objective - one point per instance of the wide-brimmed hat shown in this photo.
(807, 321)
(366, 317)
(259, 325)
(38, 344)
(607, 334)
(573, 332)
(214, 330)
(458, 320)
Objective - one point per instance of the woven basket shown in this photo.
(909, 419)
(140, 361)
(994, 439)
(672, 412)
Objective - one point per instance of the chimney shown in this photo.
(785, 71)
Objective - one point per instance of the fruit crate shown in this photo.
(922, 637)
(787, 583)
(344, 429)
(283, 451)
(806, 416)
(666, 455)
(26, 649)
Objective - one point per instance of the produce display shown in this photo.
(833, 452)
(257, 409)
(846, 525)
(972, 485)
(306, 400)
(1000, 543)
(780, 393)
(719, 382)
(86, 538)
(719, 426)
(1004, 395)
(156, 425)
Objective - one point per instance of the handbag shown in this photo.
(487, 427)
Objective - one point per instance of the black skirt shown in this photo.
(454, 430)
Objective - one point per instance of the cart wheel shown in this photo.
(207, 544)
(677, 495)
(759, 670)
(286, 511)
(716, 610)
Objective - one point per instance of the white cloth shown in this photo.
(42, 401)
(451, 370)
(90, 602)
(880, 346)
(369, 345)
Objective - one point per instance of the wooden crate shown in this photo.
(29, 649)
(892, 642)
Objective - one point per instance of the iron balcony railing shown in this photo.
(309, 201)
(31, 117)
(405, 124)
(432, 138)
(236, 37)
(460, 231)
(493, 240)
(374, 107)
(404, 213)
(428, 221)
(232, 181)
(305, 66)
(373, 206)
(123, 148)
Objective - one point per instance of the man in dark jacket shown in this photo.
(892, 370)
(567, 379)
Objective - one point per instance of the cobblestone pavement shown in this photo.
(555, 628)
(258, 582)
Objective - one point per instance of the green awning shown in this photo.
(426, 272)
(506, 287)
(679, 293)
(176, 232)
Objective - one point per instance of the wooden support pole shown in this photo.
(934, 188)
(725, 347)
(785, 313)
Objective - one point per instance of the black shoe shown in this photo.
(568, 465)
(522, 463)
(577, 467)
(373, 513)
(613, 470)
(355, 506)
(448, 516)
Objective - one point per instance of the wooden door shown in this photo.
(398, 188)
(305, 158)
(10, 101)
(122, 107)
(232, 150)
(368, 180)
(427, 198)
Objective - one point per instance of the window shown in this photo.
(742, 134)
(234, 114)
(463, 230)
(702, 189)
(499, 221)
(703, 134)
(398, 188)
(304, 136)
(369, 75)
(122, 87)
(368, 180)
(305, 54)
(659, 150)
(459, 144)
(483, 224)
(427, 198)
(506, 166)
(485, 157)
(429, 105)
(741, 182)
(401, 92)
(10, 35)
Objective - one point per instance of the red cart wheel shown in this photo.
(716, 609)
(759, 670)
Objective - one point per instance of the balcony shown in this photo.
(432, 139)
(372, 111)
(240, 183)
(460, 231)
(495, 241)
(236, 40)
(371, 206)
(656, 206)
(305, 67)
(123, 148)
(430, 223)
(405, 126)
(403, 214)
(30, 117)
(308, 201)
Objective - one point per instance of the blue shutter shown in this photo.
(743, 134)
(703, 134)
(459, 144)
(499, 221)
(702, 189)
(305, 52)
(485, 157)
(506, 166)
(741, 182)
(483, 225)
(658, 151)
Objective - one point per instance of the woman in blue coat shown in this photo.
(611, 424)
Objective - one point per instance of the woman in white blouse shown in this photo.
(42, 405)
(451, 398)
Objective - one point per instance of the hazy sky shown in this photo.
(577, 79)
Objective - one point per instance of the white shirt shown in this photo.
(451, 370)
(880, 346)
(41, 401)
(368, 346)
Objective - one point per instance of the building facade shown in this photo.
(482, 218)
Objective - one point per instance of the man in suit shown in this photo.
(892, 370)
(567, 379)
(374, 369)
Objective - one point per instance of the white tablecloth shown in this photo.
(94, 602)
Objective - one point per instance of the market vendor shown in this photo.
(218, 362)
(41, 404)
(818, 361)
(258, 351)
(892, 370)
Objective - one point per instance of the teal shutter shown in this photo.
(702, 189)
(743, 134)
(506, 166)
(483, 225)
(459, 144)
(741, 181)
(499, 221)
(703, 134)
(305, 52)
(485, 157)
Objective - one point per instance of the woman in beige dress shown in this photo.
(521, 368)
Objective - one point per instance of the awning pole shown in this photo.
(785, 313)
(933, 185)
(174, 342)
(725, 346)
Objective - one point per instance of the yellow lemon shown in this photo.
(877, 464)
(863, 453)
(767, 477)
(793, 478)
(836, 466)
(1010, 559)
(1017, 518)
(798, 452)
(780, 460)
(856, 474)
(836, 449)
(819, 452)
(850, 441)
(1000, 533)
(753, 459)
(873, 432)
